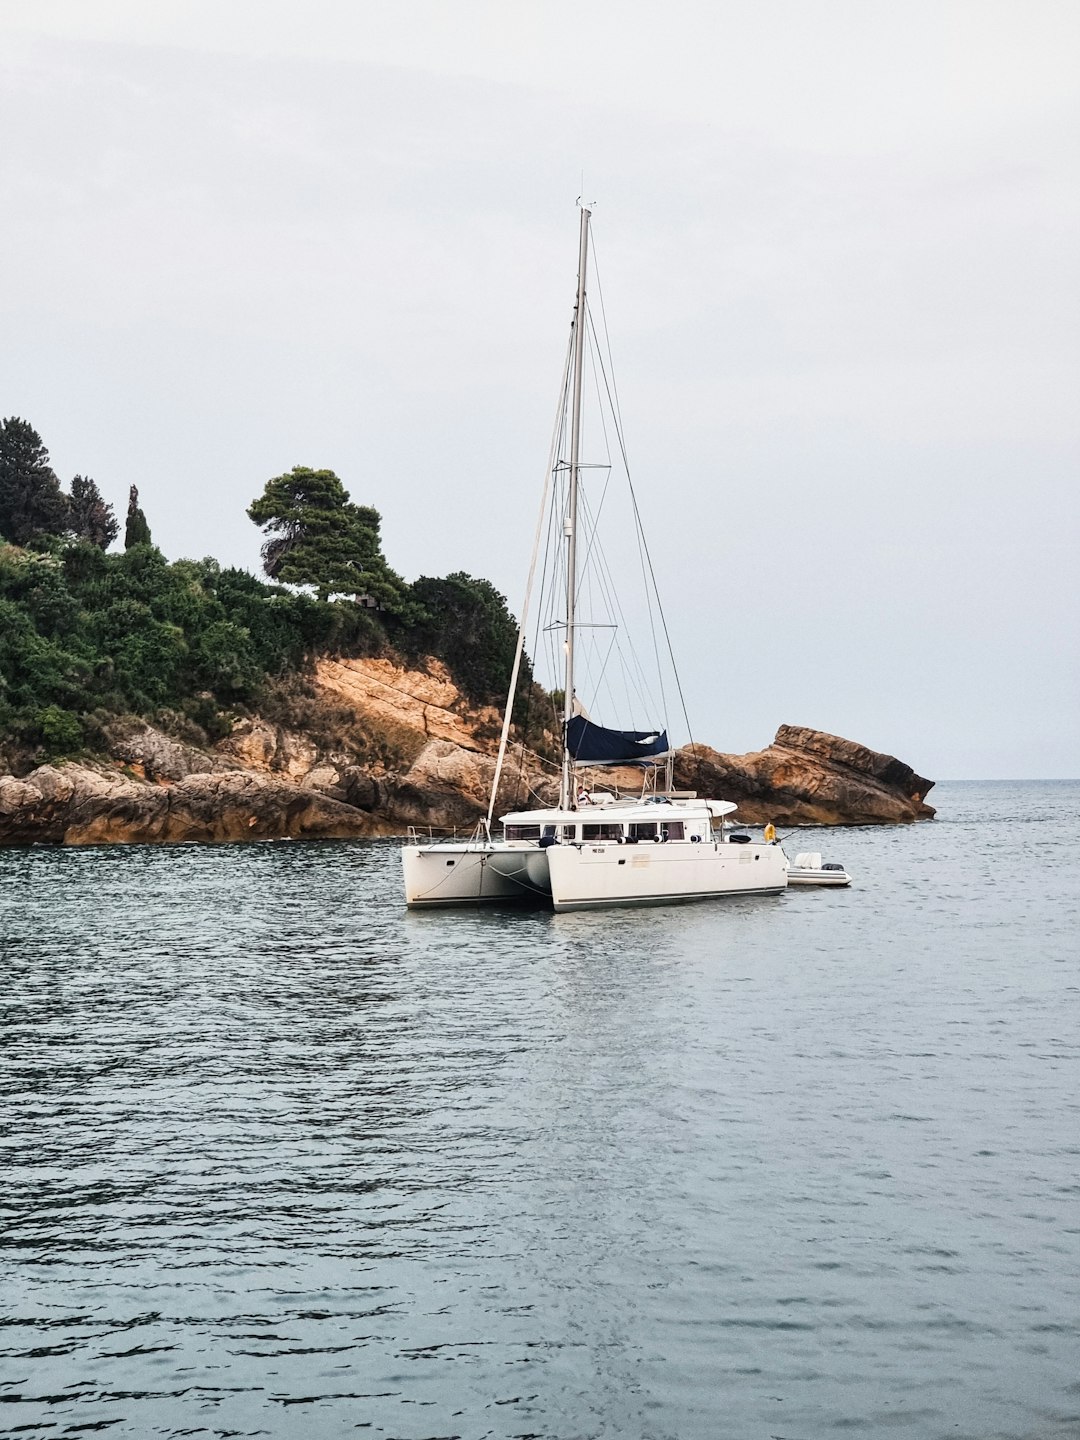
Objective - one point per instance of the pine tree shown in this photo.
(92, 517)
(31, 501)
(136, 531)
(317, 536)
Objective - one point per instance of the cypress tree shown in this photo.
(136, 531)
(31, 501)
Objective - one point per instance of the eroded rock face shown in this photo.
(885, 769)
(447, 787)
(149, 752)
(255, 744)
(265, 782)
(80, 805)
(424, 701)
(807, 777)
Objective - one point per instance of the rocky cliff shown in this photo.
(383, 748)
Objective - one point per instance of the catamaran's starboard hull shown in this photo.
(587, 877)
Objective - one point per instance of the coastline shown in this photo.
(386, 749)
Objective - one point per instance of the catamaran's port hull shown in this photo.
(441, 875)
(587, 877)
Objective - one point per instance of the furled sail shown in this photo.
(590, 744)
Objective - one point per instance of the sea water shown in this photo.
(281, 1159)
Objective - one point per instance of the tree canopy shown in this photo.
(465, 622)
(91, 517)
(31, 501)
(317, 536)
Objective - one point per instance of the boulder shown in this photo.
(257, 745)
(447, 788)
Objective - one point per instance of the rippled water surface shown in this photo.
(280, 1159)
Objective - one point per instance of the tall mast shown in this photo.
(566, 798)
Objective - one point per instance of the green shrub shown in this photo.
(61, 731)
(465, 623)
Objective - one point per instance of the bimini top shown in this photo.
(590, 744)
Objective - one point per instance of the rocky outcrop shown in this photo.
(446, 787)
(83, 805)
(426, 701)
(147, 753)
(397, 748)
(807, 777)
(255, 744)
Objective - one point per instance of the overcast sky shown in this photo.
(840, 247)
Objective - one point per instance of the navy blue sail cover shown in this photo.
(591, 744)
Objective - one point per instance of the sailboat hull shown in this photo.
(585, 877)
(598, 877)
(469, 874)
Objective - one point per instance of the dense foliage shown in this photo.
(86, 636)
(465, 623)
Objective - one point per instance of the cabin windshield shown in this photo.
(522, 832)
(601, 832)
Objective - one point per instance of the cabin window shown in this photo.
(522, 832)
(601, 832)
(641, 831)
(673, 830)
(549, 832)
(569, 832)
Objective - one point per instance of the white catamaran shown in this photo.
(593, 850)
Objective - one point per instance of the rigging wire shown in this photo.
(615, 609)
(609, 592)
(643, 543)
(516, 670)
(651, 591)
(597, 577)
(603, 665)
